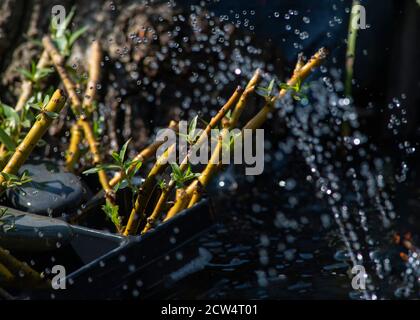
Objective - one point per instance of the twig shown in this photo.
(58, 62)
(195, 189)
(38, 129)
(250, 87)
(5, 275)
(3, 156)
(192, 194)
(137, 214)
(351, 50)
(78, 112)
(300, 76)
(299, 64)
(94, 76)
(179, 192)
(144, 155)
(237, 95)
(19, 268)
(73, 153)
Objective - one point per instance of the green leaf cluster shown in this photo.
(181, 177)
(61, 34)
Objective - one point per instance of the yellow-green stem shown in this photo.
(73, 154)
(144, 155)
(76, 107)
(351, 50)
(5, 275)
(38, 129)
(237, 100)
(195, 189)
(137, 214)
(4, 156)
(21, 270)
(299, 76)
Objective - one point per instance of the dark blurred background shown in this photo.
(387, 53)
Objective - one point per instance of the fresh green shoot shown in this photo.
(27, 116)
(40, 105)
(15, 124)
(7, 221)
(62, 36)
(267, 92)
(180, 177)
(9, 118)
(125, 167)
(12, 125)
(14, 181)
(351, 50)
(297, 90)
(120, 165)
(111, 212)
(228, 115)
(297, 94)
(7, 140)
(228, 144)
(162, 184)
(34, 74)
(193, 133)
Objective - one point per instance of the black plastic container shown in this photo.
(138, 266)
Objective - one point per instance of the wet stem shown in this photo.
(25, 148)
(351, 51)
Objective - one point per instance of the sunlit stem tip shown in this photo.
(38, 129)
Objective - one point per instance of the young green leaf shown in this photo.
(27, 74)
(229, 115)
(75, 35)
(131, 173)
(271, 86)
(192, 130)
(7, 140)
(12, 181)
(10, 116)
(124, 150)
(111, 211)
(58, 29)
(176, 170)
(52, 115)
(181, 177)
(162, 184)
(267, 92)
(35, 106)
(116, 157)
(100, 168)
(41, 73)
